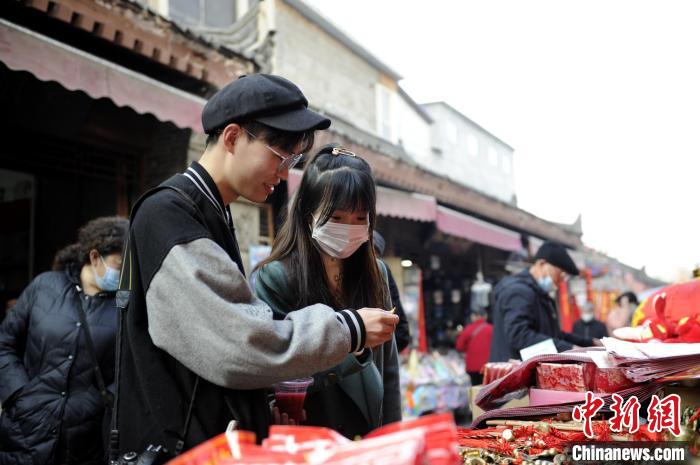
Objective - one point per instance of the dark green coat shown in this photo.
(355, 397)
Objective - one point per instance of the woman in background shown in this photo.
(52, 404)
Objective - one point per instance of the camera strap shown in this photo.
(122, 300)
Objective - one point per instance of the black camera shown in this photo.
(153, 455)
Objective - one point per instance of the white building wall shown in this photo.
(413, 132)
(465, 153)
(332, 77)
(341, 83)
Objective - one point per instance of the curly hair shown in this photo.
(105, 234)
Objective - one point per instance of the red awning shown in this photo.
(50, 60)
(409, 205)
(467, 227)
(390, 202)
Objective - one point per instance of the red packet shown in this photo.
(214, 451)
(561, 377)
(441, 444)
(304, 439)
(400, 448)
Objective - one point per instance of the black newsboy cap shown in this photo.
(556, 254)
(268, 99)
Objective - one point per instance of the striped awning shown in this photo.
(50, 60)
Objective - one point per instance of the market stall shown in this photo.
(629, 393)
(433, 382)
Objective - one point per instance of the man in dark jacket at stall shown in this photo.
(525, 314)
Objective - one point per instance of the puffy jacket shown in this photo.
(52, 408)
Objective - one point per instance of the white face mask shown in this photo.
(587, 317)
(340, 240)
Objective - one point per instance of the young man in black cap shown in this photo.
(195, 337)
(525, 314)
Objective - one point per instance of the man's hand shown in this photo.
(597, 342)
(379, 325)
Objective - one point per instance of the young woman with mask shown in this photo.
(52, 404)
(324, 254)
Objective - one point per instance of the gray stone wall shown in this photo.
(332, 77)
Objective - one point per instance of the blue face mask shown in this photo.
(546, 283)
(108, 282)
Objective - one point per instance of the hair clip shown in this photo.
(341, 151)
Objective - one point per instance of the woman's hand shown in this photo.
(379, 325)
(283, 419)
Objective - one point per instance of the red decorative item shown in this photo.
(670, 305)
(566, 316)
(561, 377)
(659, 329)
(496, 370)
(686, 330)
(686, 325)
(609, 380)
(689, 329)
(659, 304)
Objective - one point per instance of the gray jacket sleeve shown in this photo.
(202, 312)
(272, 287)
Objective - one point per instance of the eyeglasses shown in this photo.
(287, 162)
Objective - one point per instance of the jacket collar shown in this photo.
(206, 185)
(528, 279)
(72, 273)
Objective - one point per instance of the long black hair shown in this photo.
(105, 234)
(332, 180)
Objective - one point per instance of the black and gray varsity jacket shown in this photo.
(192, 314)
